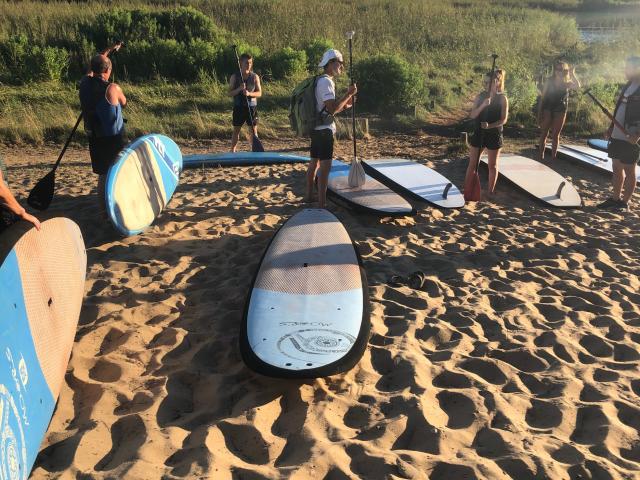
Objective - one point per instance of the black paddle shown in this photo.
(353, 106)
(256, 144)
(41, 195)
(606, 112)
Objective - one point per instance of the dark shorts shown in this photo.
(241, 116)
(491, 140)
(322, 144)
(104, 151)
(627, 153)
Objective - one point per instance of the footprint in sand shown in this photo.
(105, 371)
(543, 415)
(128, 434)
(460, 409)
(485, 369)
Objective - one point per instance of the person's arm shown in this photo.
(113, 48)
(336, 106)
(479, 106)
(115, 95)
(234, 91)
(574, 83)
(257, 93)
(9, 201)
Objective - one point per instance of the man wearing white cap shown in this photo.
(322, 137)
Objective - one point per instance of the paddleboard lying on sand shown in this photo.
(590, 157)
(231, 159)
(42, 276)
(417, 180)
(602, 145)
(372, 197)
(538, 180)
(307, 315)
(141, 182)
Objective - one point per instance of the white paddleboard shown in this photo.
(308, 311)
(372, 197)
(590, 157)
(418, 180)
(538, 180)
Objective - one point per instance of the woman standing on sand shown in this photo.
(490, 112)
(552, 109)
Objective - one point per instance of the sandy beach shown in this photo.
(518, 360)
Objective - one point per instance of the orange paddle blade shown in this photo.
(472, 189)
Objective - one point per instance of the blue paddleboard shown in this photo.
(42, 276)
(601, 145)
(234, 159)
(141, 182)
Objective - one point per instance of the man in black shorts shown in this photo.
(322, 137)
(623, 144)
(244, 89)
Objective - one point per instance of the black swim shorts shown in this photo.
(322, 144)
(241, 115)
(626, 152)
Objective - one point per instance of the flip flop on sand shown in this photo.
(416, 280)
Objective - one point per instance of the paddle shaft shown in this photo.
(244, 84)
(607, 112)
(353, 106)
(485, 113)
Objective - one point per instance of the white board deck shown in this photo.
(373, 196)
(590, 157)
(419, 180)
(538, 180)
(308, 313)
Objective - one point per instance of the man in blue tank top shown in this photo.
(102, 102)
(244, 89)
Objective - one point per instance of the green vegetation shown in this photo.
(413, 57)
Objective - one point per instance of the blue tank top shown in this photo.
(110, 118)
(101, 119)
(240, 100)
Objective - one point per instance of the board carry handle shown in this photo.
(446, 190)
(560, 188)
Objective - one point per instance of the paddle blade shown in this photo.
(256, 144)
(472, 189)
(42, 194)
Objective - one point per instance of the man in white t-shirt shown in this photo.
(322, 137)
(623, 144)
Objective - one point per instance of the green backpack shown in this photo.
(303, 115)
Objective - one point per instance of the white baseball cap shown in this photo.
(330, 55)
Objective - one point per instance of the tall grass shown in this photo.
(447, 40)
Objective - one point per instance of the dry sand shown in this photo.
(518, 360)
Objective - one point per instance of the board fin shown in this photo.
(560, 188)
(446, 190)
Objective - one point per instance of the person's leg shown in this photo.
(254, 117)
(556, 129)
(312, 167)
(474, 156)
(545, 125)
(102, 204)
(493, 155)
(234, 138)
(617, 179)
(629, 181)
(323, 181)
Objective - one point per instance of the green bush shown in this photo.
(286, 63)
(522, 91)
(315, 50)
(389, 83)
(185, 24)
(24, 62)
(47, 63)
(203, 57)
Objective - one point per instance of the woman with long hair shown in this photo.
(552, 109)
(490, 112)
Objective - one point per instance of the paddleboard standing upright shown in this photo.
(42, 275)
(141, 182)
(307, 314)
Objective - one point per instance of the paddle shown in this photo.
(357, 177)
(42, 193)
(472, 191)
(256, 144)
(606, 112)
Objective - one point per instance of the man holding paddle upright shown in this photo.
(245, 88)
(624, 134)
(102, 102)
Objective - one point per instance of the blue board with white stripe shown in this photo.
(234, 159)
(141, 182)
